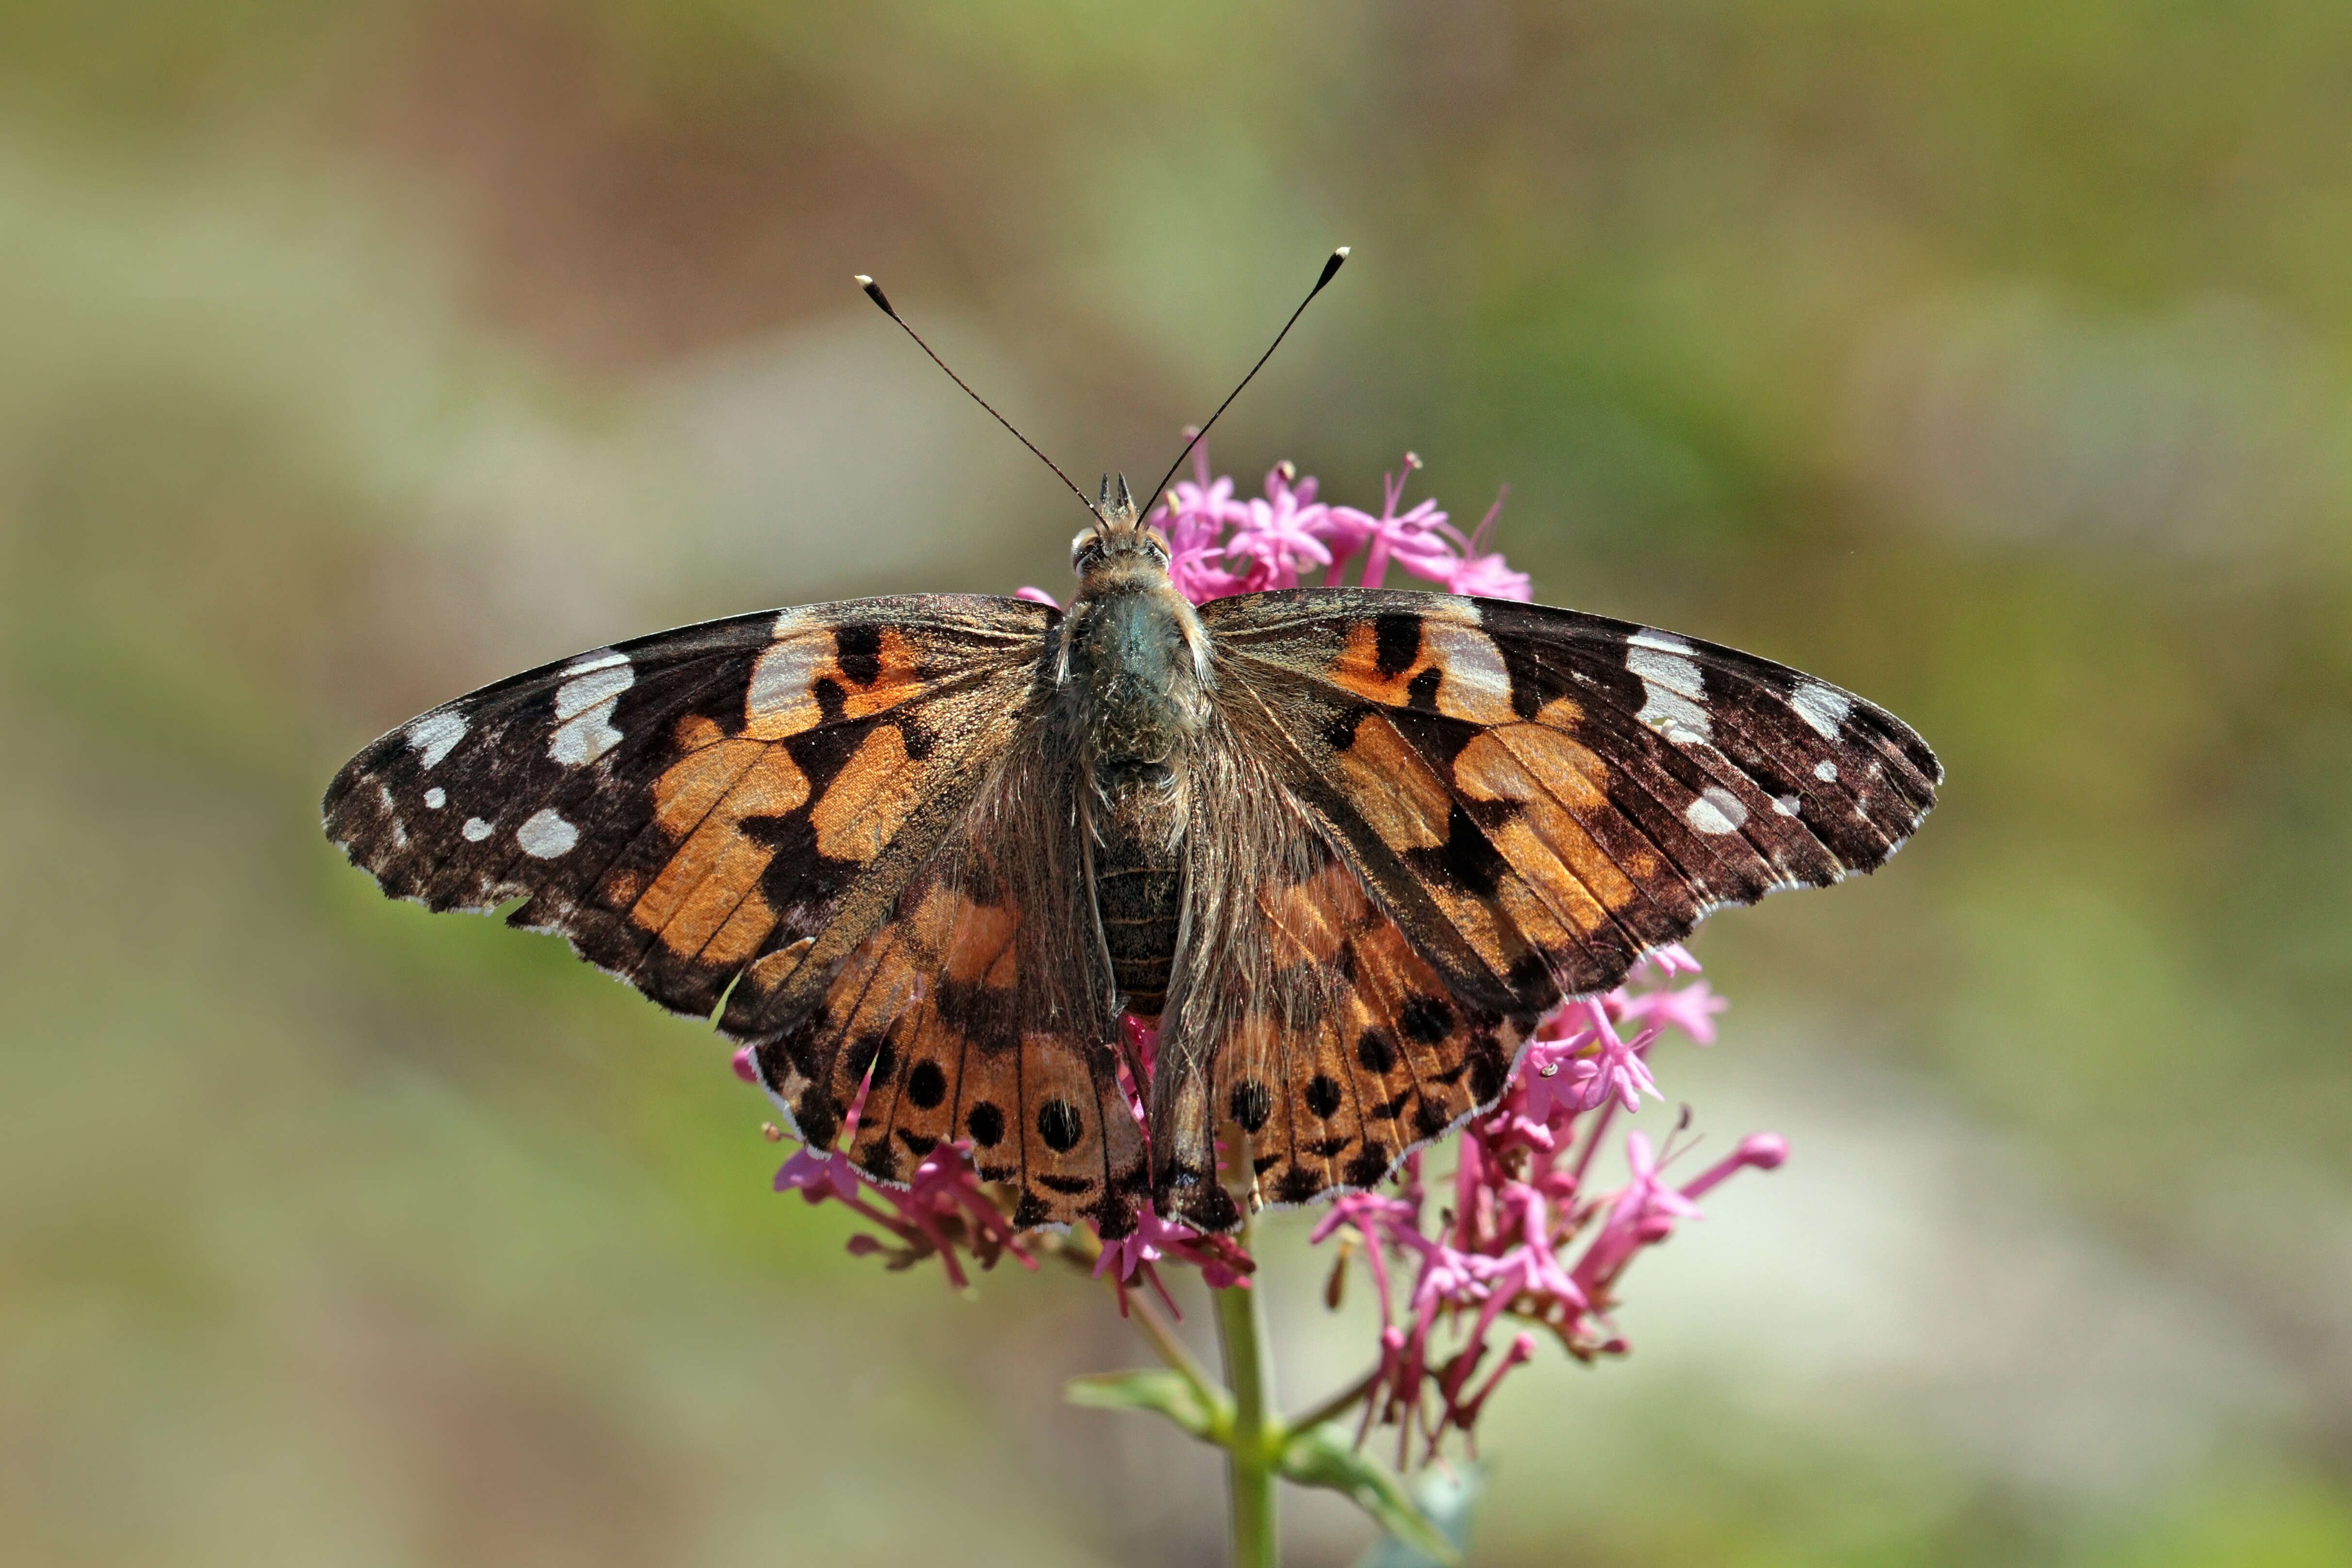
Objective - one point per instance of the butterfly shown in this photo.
(1344, 848)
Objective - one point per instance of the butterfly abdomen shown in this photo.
(1139, 889)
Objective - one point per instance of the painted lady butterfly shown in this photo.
(1347, 846)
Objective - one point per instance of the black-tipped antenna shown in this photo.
(874, 292)
(1330, 271)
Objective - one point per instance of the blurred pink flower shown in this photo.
(1691, 1010)
(1579, 1061)
(1762, 1151)
(817, 1176)
(1221, 545)
(1668, 961)
(1643, 1214)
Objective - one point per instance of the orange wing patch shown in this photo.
(1507, 825)
(864, 805)
(1407, 803)
(1514, 836)
(1553, 781)
(1313, 920)
(820, 669)
(723, 811)
(706, 901)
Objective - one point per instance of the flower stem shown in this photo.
(1257, 1435)
(1167, 1346)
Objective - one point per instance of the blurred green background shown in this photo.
(1993, 358)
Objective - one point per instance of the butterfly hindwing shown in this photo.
(707, 804)
(978, 1010)
(1300, 1009)
(1356, 1051)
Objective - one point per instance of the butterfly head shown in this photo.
(1117, 542)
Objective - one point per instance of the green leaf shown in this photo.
(1207, 1414)
(1327, 1457)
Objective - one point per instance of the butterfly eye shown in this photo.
(1088, 540)
(1158, 542)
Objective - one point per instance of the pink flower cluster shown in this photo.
(1278, 540)
(1519, 1205)
(1520, 1232)
(1218, 544)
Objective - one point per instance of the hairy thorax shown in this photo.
(1137, 694)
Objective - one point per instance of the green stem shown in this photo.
(1170, 1349)
(1258, 1434)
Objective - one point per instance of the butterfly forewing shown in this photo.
(707, 803)
(1555, 783)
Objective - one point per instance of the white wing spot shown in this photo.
(399, 834)
(1665, 642)
(544, 834)
(782, 699)
(1786, 804)
(1716, 811)
(436, 733)
(588, 661)
(583, 708)
(474, 830)
(436, 798)
(1822, 707)
(1674, 693)
(1825, 772)
(1474, 684)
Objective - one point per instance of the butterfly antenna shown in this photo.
(874, 292)
(1330, 271)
